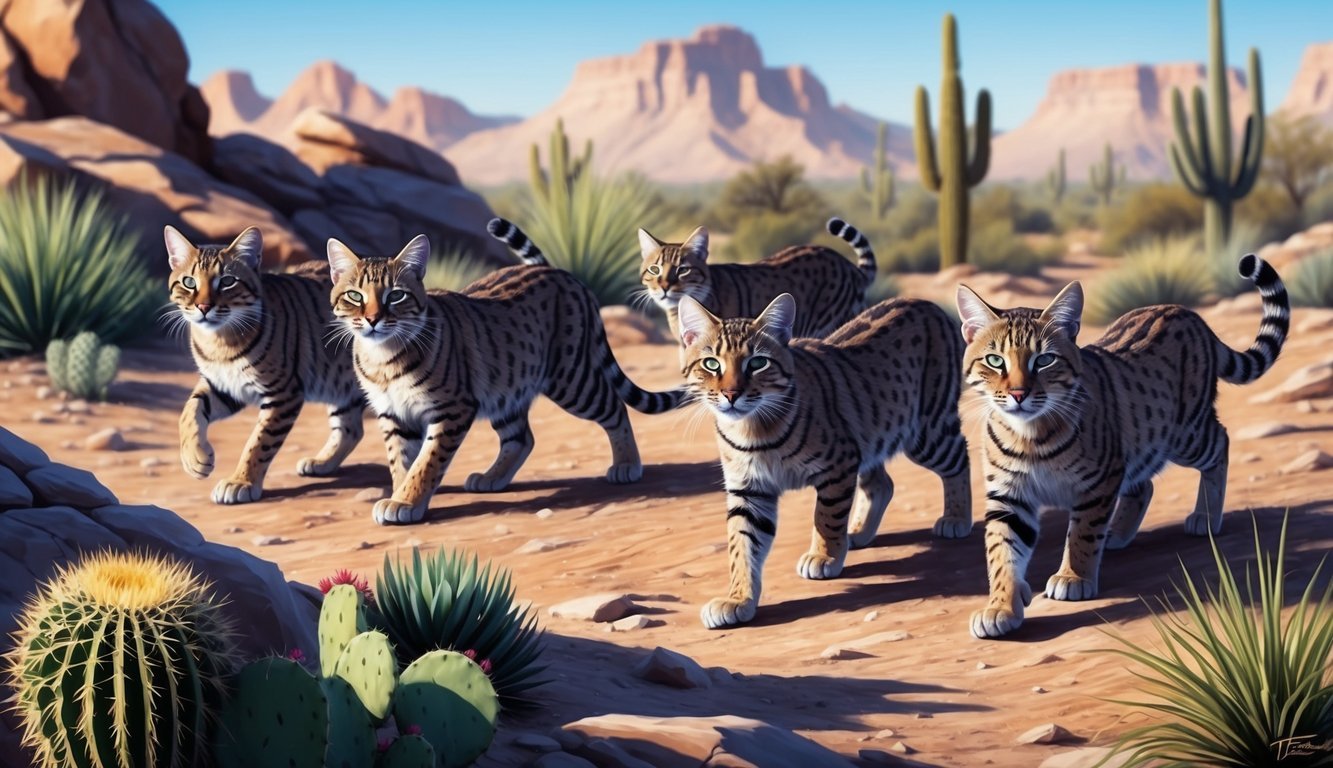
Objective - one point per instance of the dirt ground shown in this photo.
(957, 700)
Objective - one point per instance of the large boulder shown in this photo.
(151, 186)
(73, 514)
(119, 62)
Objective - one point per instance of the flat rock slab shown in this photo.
(606, 606)
(57, 484)
(707, 742)
(1048, 733)
(1310, 461)
(1265, 429)
(674, 669)
(1311, 381)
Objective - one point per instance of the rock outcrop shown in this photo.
(51, 513)
(118, 62)
(1311, 91)
(233, 102)
(671, 742)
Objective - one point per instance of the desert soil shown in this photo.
(956, 700)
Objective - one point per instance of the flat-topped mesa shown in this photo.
(1311, 91)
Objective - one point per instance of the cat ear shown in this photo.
(693, 320)
(648, 244)
(248, 247)
(414, 255)
(779, 317)
(975, 313)
(179, 250)
(698, 242)
(1066, 310)
(341, 260)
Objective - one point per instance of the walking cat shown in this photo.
(258, 340)
(430, 363)
(829, 289)
(1085, 429)
(798, 413)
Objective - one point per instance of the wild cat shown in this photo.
(793, 414)
(1085, 429)
(430, 363)
(829, 289)
(258, 340)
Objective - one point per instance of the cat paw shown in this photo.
(313, 467)
(816, 566)
(232, 492)
(1199, 525)
(721, 612)
(394, 512)
(995, 622)
(620, 474)
(952, 528)
(1070, 587)
(197, 460)
(478, 482)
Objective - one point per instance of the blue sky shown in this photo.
(511, 57)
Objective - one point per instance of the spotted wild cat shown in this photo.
(824, 413)
(430, 363)
(1085, 429)
(829, 289)
(258, 339)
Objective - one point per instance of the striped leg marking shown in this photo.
(412, 497)
(277, 416)
(1130, 509)
(752, 515)
(204, 407)
(874, 491)
(828, 540)
(516, 443)
(345, 431)
(1011, 535)
(1084, 543)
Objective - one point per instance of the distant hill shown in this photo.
(1311, 91)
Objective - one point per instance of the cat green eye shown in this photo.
(756, 364)
(654, 270)
(995, 361)
(1044, 360)
(354, 296)
(712, 364)
(683, 271)
(189, 282)
(226, 281)
(396, 296)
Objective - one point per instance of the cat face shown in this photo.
(672, 271)
(1024, 363)
(379, 300)
(740, 368)
(216, 287)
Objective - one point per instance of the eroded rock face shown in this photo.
(69, 512)
(119, 62)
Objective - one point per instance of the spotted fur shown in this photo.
(824, 414)
(258, 340)
(430, 363)
(1086, 429)
(829, 289)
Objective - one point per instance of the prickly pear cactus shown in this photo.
(342, 617)
(409, 751)
(368, 666)
(452, 701)
(277, 718)
(351, 735)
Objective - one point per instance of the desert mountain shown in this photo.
(429, 119)
(686, 111)
(1128, 106)
(1311, 90)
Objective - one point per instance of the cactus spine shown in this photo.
(121, 661)
(559, 181)
(1106, 176)
(949, 170)
(877, 181)
(1203, 162)
(1055, 179)
(84, 366)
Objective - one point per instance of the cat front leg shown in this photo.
(1011, 535)
(277, 416)
(401, 446)
(752, 515)
(205, 406)
(834, 492)
(1085, 541)
(412, 496)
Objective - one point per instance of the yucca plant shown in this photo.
(1312, 280)
(454, 268)
(1165, 271)
(1230, 683)
(68, 263)
(449, 601)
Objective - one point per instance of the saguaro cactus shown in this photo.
(954, 168)
(1203, 162)
(564, 169)
(1106, 176)
(877, 180)
(1055, 179)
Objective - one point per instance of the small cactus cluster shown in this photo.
(1107, 176)
(565, 170)
(1055, 179)
(83, 366)
(877, 181)
(443, 703)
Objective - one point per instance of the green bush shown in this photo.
(68, 263)
(996, 247)
(1005, 203)
(1150, 213)
(1311, 282)
(1230, 683)
(919, 253)
(764, 234)
(778, 187)
(1166, 271)
(454, 268)
(1269, 213)
(1246, 237)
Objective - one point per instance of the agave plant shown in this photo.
(454, 268)
(1231, 683)
(449, 601)
(1165, 271)
(1312, 280)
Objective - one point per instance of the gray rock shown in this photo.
(561, 760)
(58, 484)
(13, 493)
(146, 525)
(536, 742)
(109, 439)
(631, 623)
(1048, 733)
(607, 606)
(19, 454)
(668, 742)
(674, 669)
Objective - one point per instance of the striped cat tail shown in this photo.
(1244, 367)
(526, 250)
(639, 399)
(857, 239)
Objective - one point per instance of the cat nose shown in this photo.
(732, 395)
(203, 308)
(1018, 394)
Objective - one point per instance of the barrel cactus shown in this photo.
(121, 661)
(83, 366)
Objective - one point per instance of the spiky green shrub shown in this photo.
(1161, 272)
(1312, 280)
(83, 367)
(1148, 213)
(764, 234)
(121, 662)
(454, 268)
(68, 263)
(448, 601)
(918, 253)
(995, 247)
(1231, 684)
(1246, 237)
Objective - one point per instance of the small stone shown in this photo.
(1311, 461)
(607, 606)
(537, 546)
(233, 529)
(1049, 658)
(878, 757)
(631, 623)
(268, 541)
(1050, 733)
(106, 440)
(44, 392)
(674, 669)
(40, 417)
(413, 542)
(887, 733)
(68, 445)
(502, 530)
(372, 495)
(78, 406)
(536, 742)
(1265, 429)
(1248, 458)
(902, 748)
(364, 545)
(310, 524)
(924, 716)
(543, 514)
(843, 653)
(1038, 689)
(150, 462)
(982, 665)
(1305, 406)
(871, 616)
